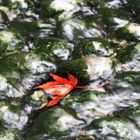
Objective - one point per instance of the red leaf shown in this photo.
(47, 85)
(60, 87)
(54, 101)
(73, 80)
(60, 79)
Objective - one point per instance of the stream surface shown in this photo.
(95, 40)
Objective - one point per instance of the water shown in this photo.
(97, 41)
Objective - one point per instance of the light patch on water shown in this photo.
(37, 95)
(90, 33)
(96, 44)
(7, 136)
(113, 4)
(44, 25)
(134, 28)
(28, 108)
(2, 26)
(30, 13)
(46, 29)
(76, 29)
(13, 120)
(122, 128)
(10, 13)
(99, 67)
(134, 64)
(101, 49)
(68, 14)
(120, 22)
(6, 36)
(67, 122)
(137, 119)
(3, 83)
(119, 126)
(3, 109)
(66, 5)
(105, 105)
(10, 39)
(41, 66)
(8, 89)
(87, 11)
(37, 66)
(29, 81)
(133, 132)
(21, 2)
(70, 26)
(62, 53)
(122, 84)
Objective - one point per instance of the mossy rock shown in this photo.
(18, 5)
(48, 12)
(80, 98)
(97, 47)
(124, 33)
(12, 116)
(89, 68)
(27, 29)
(52, 47)
(128, 53)
(10, 134)
(37, 99)
(51, 123)
(58, 9)
(76, 29)
(122, 124)
(10, 42)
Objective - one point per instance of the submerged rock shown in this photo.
(10, 134)
(12, 116)
(97, 47)
(38, 37)
(55, 123)
(92, 113)
(10, 42)
(90, 68)
(76, 29)
(55, 48)
(60, 9)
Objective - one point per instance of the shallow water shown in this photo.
(96, 41)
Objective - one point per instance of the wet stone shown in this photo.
(116, 127)
(97, 42)
(98, 47)
(60, 9)
(12, 116)
(59, 124)
(21, 72)
(36, 100)
(133, 60)
(10, 134)
(10, 42)
(134, 29)
(83, 68)
(52, 47)
(8, 90)
(76, 29)
(25, 28)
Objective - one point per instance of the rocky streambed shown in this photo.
(96, 41)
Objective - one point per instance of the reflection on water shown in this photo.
(97, 41)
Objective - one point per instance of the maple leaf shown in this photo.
(62, 86)
(59, 88)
